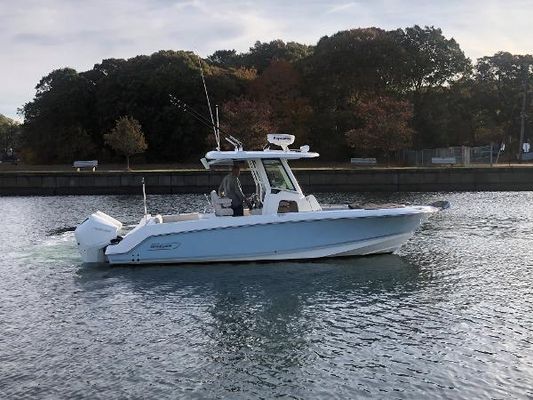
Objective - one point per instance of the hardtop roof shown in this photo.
(216, 155)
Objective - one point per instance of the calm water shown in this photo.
(449, 317)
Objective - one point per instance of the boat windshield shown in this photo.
(277, 175)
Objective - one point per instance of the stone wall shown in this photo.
(311, 180)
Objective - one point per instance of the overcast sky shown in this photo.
(37, 36)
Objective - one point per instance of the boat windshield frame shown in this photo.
(278, 175)
(260, 188)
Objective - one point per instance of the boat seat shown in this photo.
(222, 205)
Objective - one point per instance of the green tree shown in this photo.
(428, 58)
(261, 54)
(353, 61)
(61, 110)
(343, 68)
(126, 138)
(498, 90)
(9, 133)
(225, 58)
(428, 64)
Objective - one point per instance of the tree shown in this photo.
(427, 65)
(225, 58)
(428, 58)
(280, 86)
(58, 122)
(500, 84)
(285, 87)
(126, 138)
(9, 133)
(353, 61)
(384, 126)
(249, 121)
(343, 68)
(262, 54)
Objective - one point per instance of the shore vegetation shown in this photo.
(365, 92)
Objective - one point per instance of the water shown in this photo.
(449, 317)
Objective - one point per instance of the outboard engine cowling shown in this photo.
(94, 234)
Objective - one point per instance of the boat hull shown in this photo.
(284, 239)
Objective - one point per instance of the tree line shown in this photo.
(366, 92)
(10, 132)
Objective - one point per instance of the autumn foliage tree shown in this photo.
(280, 86)
(249, 121)
(385, 126)
(126, 138)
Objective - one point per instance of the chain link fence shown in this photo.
(458, 155)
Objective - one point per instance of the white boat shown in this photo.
(282, 224)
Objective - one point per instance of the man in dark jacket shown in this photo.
(231, 188)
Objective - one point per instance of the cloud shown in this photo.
(340, 7)
(37, 37)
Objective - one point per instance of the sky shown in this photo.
(38, 36)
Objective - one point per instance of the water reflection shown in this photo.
(254, 324)
(263, 279)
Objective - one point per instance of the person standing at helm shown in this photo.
(231, 187)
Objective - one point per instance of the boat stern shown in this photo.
(94, 234)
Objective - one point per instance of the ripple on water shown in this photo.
(450, 316)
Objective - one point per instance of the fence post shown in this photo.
(466, 155)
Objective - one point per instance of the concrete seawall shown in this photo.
(312, 180)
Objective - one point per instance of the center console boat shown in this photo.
(282, 224)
